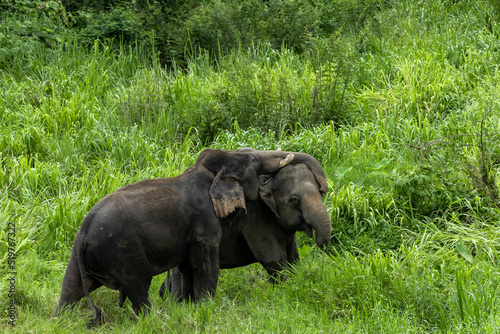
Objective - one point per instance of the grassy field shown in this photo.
(406, 126)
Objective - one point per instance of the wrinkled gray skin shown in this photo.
(149, 227)
(291, 201)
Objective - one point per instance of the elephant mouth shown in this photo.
(308, 229)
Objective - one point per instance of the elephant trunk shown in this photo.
(317, 216)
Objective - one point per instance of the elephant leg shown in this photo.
(132, 279)
(175, 277)
(268, 250)
(179, 285)
(184, 286)
(292, 251)
(275, 270)
(172, 285)
(204, 260)
(137, 292)
(166, 286)
(72, 287)
(122, 298)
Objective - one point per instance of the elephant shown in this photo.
(290, 201)
(148, 227)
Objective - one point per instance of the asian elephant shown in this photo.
(290, 201)
(148, 227)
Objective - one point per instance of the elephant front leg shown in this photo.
(292, 251)
(275, 271)
(269, 250)
(184, 290)
(204, 260)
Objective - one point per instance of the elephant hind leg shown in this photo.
(137, 292)
(185, 290)
(140, 301)
(165, 286)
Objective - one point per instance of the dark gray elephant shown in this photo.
(291, 200)
(149, 227)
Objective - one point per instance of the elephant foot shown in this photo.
(95, 320)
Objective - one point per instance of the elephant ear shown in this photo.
(226, 194)
(266, 192)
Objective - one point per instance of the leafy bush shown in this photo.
(182, 29)
(28, 28)
(220, 26)
(265, 89)
(421, 193)
(297, 24)
(119, 24)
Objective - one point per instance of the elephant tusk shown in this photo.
(286, 161)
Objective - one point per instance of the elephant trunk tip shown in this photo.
(322, 241)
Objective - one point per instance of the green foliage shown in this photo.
(28, 28)
(299, 25)
(119, 24)
(258, 88)
(422, 193)
(182, 29)
(221, 25)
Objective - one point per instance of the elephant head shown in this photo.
(271, 161)
(236, 175)
(294, 194)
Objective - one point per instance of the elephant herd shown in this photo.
(230, 209)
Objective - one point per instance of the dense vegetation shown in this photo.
(398, 100)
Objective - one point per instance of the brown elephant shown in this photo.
(148, 227)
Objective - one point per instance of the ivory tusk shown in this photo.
(286, 161)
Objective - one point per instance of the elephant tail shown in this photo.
(86, 280)
(80, 252)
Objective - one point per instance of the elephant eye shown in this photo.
(235, 178)
(294, 200)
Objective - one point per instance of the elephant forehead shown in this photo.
(247, 157)
(296, 176)
(297, 171)
(242, 162)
